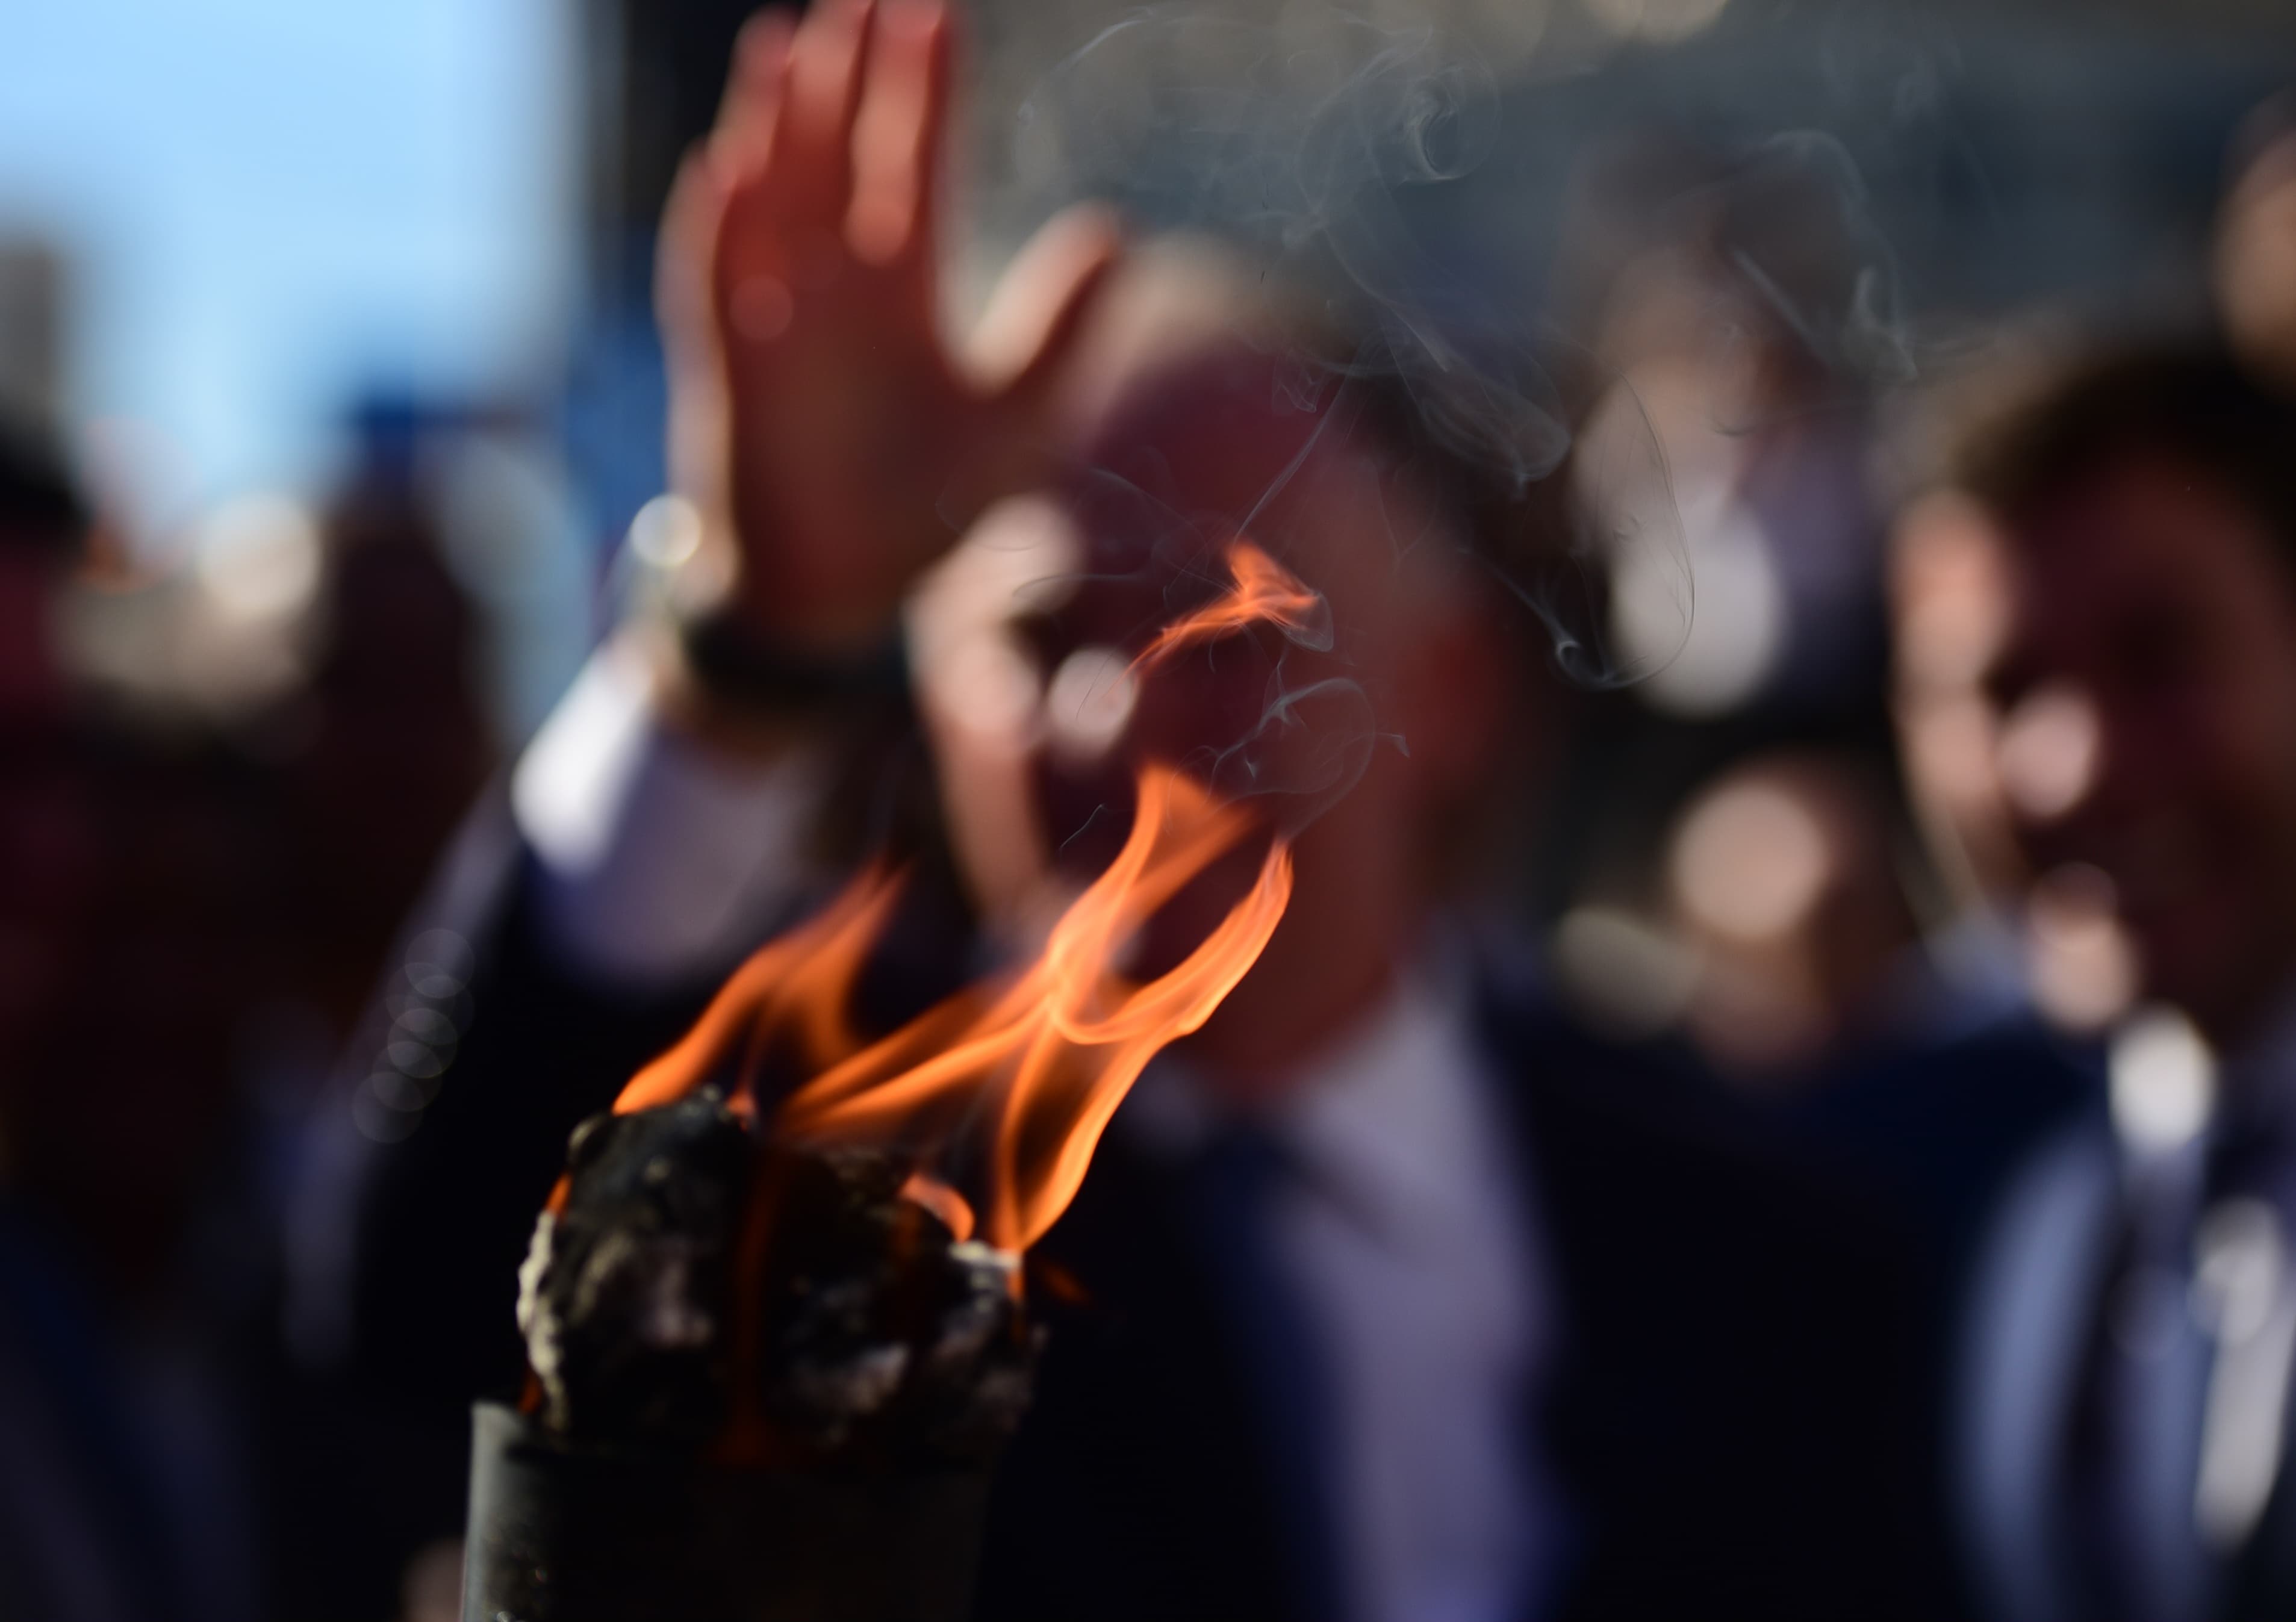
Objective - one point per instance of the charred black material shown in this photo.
(694, 1279)
(626, 1295)
(891, 1344)
(701, 1296)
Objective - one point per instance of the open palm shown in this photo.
(818, 417)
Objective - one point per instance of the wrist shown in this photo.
(718, 655)
(725, 654)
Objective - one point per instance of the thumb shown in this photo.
(1042, 302)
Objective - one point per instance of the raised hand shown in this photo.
(818, 419)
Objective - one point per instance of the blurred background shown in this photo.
(328, 329)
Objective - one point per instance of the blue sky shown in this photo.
(266, 202)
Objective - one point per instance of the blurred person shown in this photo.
(386, 741)
(2124, 1421)
(1404, 1299)
(1806, 964)
(42, 523)
(130, 939)
(1744, 303)
(1784, 883)
(1820, 995)
(56, 1532)
(1998, 1047)
(248, 772)
(372, 747)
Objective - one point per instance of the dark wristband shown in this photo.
(733, 662)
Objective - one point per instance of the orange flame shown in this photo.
(1044, 1064)
(797, 986)
(1264, 590)
(1028, 1077)
(1051, 1058)
(954, 1209)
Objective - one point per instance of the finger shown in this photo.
(683, 255)
(810, 165)
(685, 307)
(751, 265)
(1042, 304)
(900, 134)
(753, 83)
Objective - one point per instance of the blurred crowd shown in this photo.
(1776, 1095)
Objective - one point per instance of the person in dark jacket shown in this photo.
(2123, 1417)
(1396, 1297)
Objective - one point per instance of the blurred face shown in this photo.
(1185, 462)
(2146, 696)
(1187, 465)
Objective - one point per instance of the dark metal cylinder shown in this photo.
(565, 1534)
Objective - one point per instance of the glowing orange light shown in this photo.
(1049, 1059)
(954, 1209)
(1017, 1084)
(1039, 1067)
(1264, 591)
(797, 987)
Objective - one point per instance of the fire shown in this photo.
(1037, 1069)
(795, 988)
(1007, 1089)
(1046, 1063)
(1264, 591)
